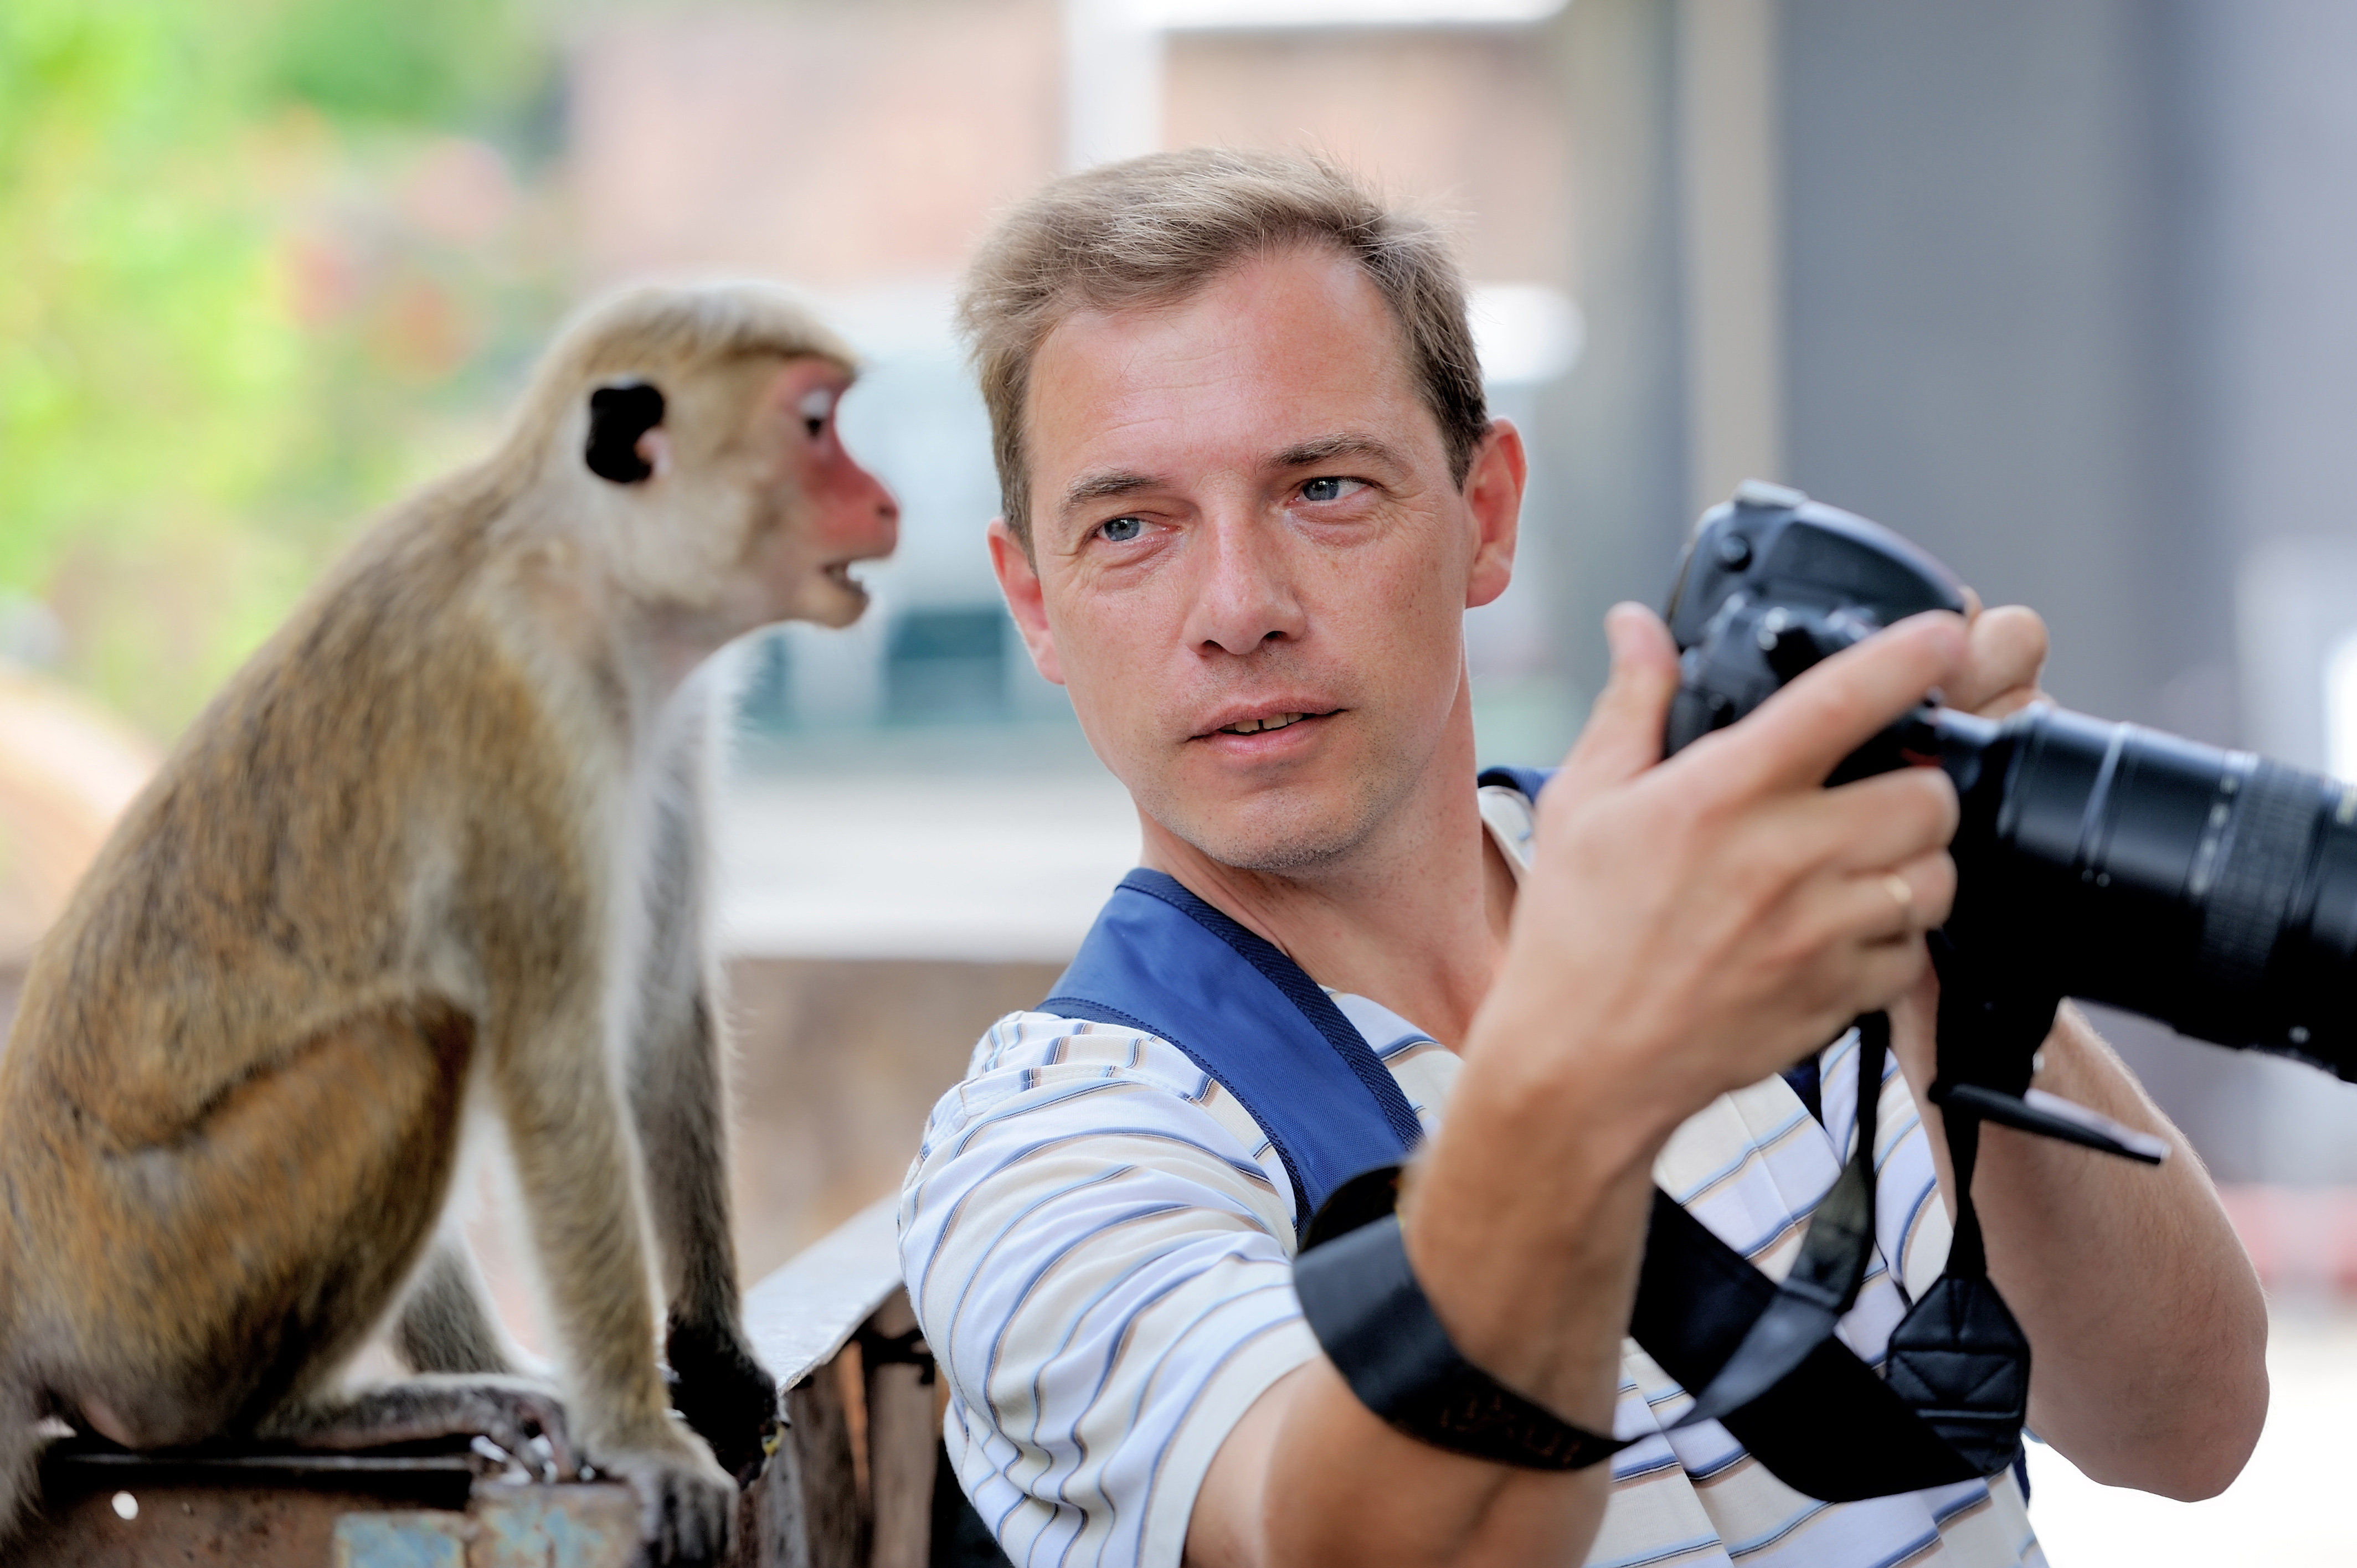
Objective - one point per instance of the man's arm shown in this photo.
(2146, 1326)
(1687, 928)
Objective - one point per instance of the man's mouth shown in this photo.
(1253, 726)
(1268, 722)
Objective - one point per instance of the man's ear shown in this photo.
(1018, 580)
(1493, 495)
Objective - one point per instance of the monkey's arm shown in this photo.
(567, 1132)
(720, 1388)
(679, 1097)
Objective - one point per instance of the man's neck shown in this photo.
(1413, 916)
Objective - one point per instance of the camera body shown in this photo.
(1772, 582)
(2211, 889)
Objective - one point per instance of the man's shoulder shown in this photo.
(1042, 1091)
(1033, 1063)
(1032, 1041)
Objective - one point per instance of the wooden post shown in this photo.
(903, 1440)
(851, 1485)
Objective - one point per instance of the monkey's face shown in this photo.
(823, 511)
(731, 500)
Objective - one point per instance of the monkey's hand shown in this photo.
(727, 1395)
(686, 1502)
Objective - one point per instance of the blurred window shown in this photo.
(947, 665)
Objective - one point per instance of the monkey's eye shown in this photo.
(1331, 488)
(816, 404)
(1121, 529)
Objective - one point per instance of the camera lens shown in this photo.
(2206, 887)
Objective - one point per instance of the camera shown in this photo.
(2211, 889)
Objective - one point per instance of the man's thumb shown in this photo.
(1622, 737)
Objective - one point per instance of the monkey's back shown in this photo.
(370, 822)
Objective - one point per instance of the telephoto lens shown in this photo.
(2211, 889)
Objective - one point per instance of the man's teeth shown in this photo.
(1253, 726)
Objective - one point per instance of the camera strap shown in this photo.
(1823, 1285)
(1959, 1358)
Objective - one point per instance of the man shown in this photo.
(1250, 493)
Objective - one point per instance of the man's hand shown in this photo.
(1688, 928)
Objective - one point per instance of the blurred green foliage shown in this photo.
(262, 263)
(405, 62)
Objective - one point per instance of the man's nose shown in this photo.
(1245, 597)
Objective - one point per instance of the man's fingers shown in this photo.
(1886, 972)
(1883, 820)
(2006, 650)
(1622, 737)
(1891, 902)
(1798, 736)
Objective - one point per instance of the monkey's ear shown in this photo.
(618, 415)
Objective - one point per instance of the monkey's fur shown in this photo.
(437, 847)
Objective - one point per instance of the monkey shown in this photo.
(432, 859)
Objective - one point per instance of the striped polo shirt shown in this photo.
(1098, 1240)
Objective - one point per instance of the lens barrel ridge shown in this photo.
(2206, 887)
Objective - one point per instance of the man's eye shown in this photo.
(1121, 529)
(1328, 490)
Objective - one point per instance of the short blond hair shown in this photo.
(1153, 229)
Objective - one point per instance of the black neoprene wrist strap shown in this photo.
(1378, 1329)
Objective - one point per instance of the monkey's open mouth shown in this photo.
(839, 573)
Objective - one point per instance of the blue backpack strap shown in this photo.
(1529, 780)
(1163, 962)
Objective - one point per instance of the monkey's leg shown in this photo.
(210, 1275)
(572, 1156)
(445, 1324)
(680, 1097)
(511, 1411)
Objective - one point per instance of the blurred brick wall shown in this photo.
(1470, 122)
(837, 143)
(837, 1064)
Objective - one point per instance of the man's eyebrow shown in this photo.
(1325, 448)
(1105, 486)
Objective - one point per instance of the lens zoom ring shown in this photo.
(2262, 869)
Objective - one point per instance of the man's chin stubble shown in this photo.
(1280, 838)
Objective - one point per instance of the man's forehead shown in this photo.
(1270, 357)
